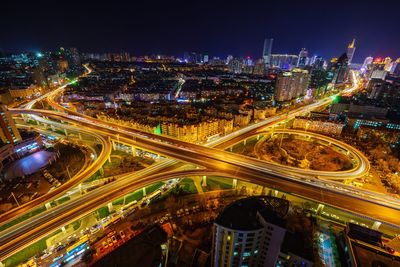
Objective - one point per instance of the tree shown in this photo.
(88, 255)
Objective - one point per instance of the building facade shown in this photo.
(267, 51)
(9, 133)
(290, 85)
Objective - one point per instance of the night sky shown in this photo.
(216, 28)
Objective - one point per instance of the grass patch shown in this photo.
(103, 212)
(76, 225)
(218, 183)
(59, 132)
(188, 186)
(22, 218)
(137, 195)
(150, 189)
(62, 200)
(97, 175)
(119, 201)
(26, 253)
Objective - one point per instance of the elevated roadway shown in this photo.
(226, 162)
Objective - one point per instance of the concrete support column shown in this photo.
(244, 141)
(110, 207)
(258, 137)
(376, 225)
(47, 205)
(320, 208)
(65, 131)
(234, 183)
(64, 230)
(204, 181)
(144, 191)
(133, 151)
(276, 193)
(230, 149)
(114, 145)
(80, 136)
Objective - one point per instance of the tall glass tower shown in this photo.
(267, 51)
(350, 50)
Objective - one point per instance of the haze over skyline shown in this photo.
(214, 28)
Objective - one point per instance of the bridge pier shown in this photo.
(234, 183)
(114, 146)
(47, 205)
(204, 181)
(110, 207)
(66, 132)
(80, 136)
(64, 230)
(133, 151)
(258, 137)
(320, 208)
(376, 225)
(231, 149)
(144, 191)
(244, 142)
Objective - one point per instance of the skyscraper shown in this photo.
(351, 48)
(267, 51)
(303, 58)
(250, 232)
(367, 62)
(341, 69)
(8, 131)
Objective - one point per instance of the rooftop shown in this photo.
(241, 214)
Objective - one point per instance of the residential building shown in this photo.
(249, 232)
(8, 131)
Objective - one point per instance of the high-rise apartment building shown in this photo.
(290, 85)
(8, 131)
(303, 58)
(250, 232)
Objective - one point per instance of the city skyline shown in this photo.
(200, 134)
(173, 28)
